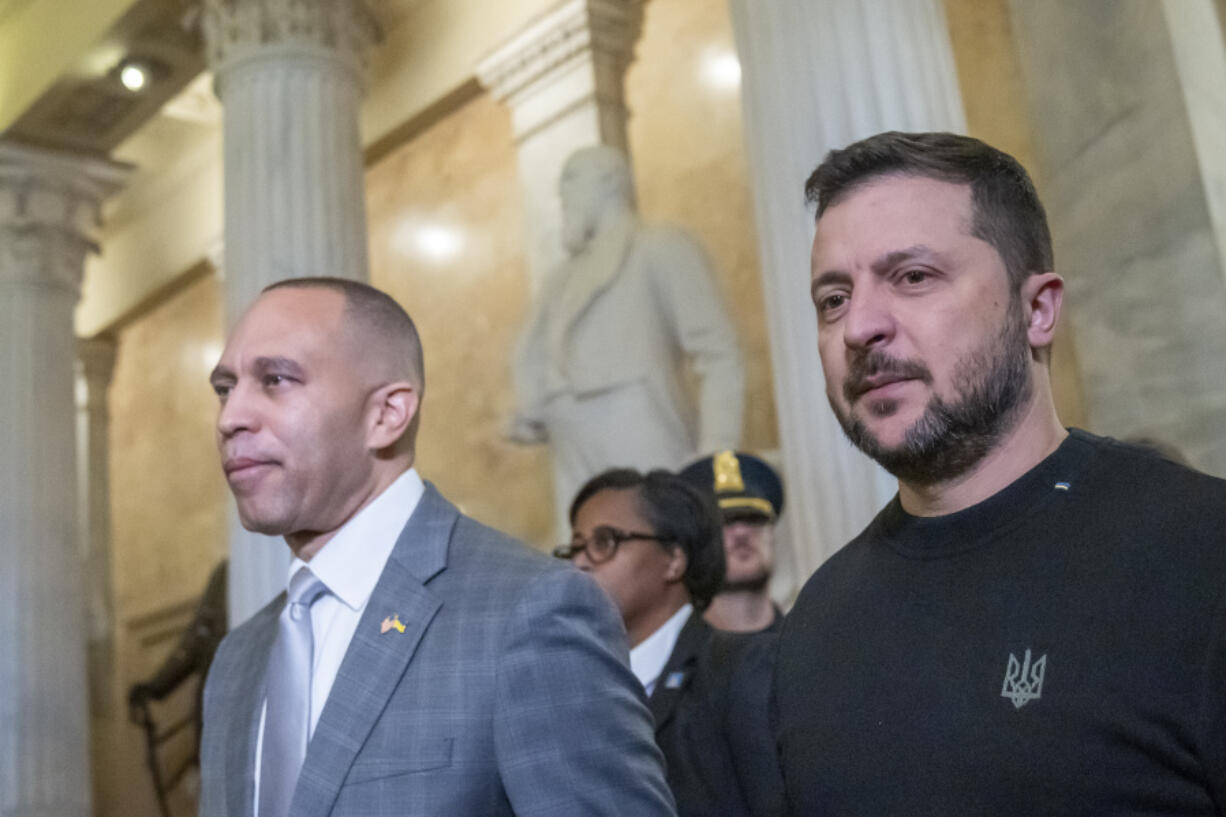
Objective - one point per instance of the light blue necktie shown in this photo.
(287, 715)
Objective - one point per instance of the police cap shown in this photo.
(744, 486)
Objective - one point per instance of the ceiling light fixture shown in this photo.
(134, 74)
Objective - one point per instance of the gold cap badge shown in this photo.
(727, 472)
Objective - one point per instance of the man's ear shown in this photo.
(1042, 298)
(391, 410)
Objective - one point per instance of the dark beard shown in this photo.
(950, 438)
(753, 584)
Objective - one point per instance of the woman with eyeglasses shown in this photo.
(654, 543)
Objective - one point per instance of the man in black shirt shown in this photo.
(1036, 624)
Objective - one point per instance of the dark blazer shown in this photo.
(507, 693)
(711, 709)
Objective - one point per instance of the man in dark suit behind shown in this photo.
(423, 664)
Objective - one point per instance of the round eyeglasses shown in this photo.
(602, 545)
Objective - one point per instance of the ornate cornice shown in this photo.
(236, 29)
(606, 27)
(53, 188)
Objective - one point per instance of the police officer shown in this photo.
(750, 497)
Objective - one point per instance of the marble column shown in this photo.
(95, 365)
(562, 77)
(1198, 41)
(817, 76)
(1129, 95)
(289, 75)
(49, 206)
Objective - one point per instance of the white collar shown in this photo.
(647, 660)
(351, 562)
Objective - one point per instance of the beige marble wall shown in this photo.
(167, 511)
(994, 97)
(168, 495)
(690, 168)
(446, 240)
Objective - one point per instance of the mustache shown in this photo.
(875, 365)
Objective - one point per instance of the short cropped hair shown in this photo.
(1006, 209)
(372, 310)
(680, 514)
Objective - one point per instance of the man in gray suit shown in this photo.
(423, 663)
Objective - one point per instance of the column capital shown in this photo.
(50, 206)
(236, 30)
(609, 28)
(96, 365)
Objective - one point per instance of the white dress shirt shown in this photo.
(349, 565)
(647, 660)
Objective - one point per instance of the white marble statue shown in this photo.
(600, 368)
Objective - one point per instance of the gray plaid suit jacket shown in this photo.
(508, 693)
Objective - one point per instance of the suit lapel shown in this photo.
(678, 672)
(249, 681)
(377, 658)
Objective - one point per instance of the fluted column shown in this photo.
(289, 76)
(562, 77)
(817, 76)
(95, 365)
(48, 209)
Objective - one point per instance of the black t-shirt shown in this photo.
(1058, 649)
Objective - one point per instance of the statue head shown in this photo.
(595, 184)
